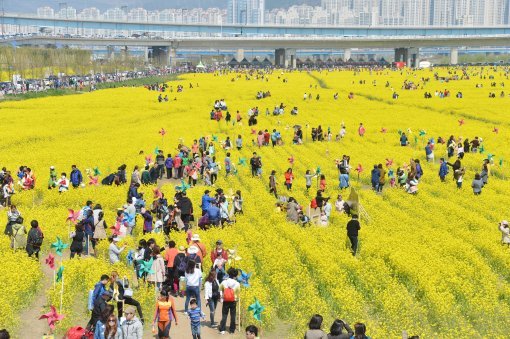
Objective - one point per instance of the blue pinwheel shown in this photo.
(242, 162)
(130, 257)
(257, 309)
(128, 218)
(145, 267)
(59, 246)
(183, 187)
(244, 278)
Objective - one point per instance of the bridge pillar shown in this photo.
(413, 55)
(110, 52)
(124, 53)
(146, 54)
(240, 54)
(347, 54)
(290, 60)
(279, 57)
(172, 56)
(454, 56)
(160, 55)
(401, 54)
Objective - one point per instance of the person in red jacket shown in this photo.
(219, 257)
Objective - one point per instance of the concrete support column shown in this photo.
(172, 57)
(110, 52)
(347, 54)
(290, 58)
(124, 53)
(412, 56)
(240, 54)
(454, 56)
(146, 54)
(401, 54)
(160, 55)
(279, 57)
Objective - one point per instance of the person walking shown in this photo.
(193, 277)
(164, 315)
(195, 314)
(132, 327)
(353, 227)
(230, 289)
(273, 183)
(34, 239)
(212, 294)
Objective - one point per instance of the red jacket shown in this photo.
(215, 255)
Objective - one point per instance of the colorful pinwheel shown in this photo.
(50, 261)
(257, 309)
(244, 278)
(461, 122)
(59, 246)
(389, 162)
(183, 187)
(52, 317)
(145, 267)
(73, 216)
(60, 273)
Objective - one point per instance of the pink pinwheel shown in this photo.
(291, 160)
(495, 130)
(52, 317)
(253, 131)
(73, 216)
(148, 159)
(461, 122)
(162, 132)
(359, 169)
(157, 193)
(116, 228)
(383, 130)
(50, 261)
(389, 162)
(93, 180)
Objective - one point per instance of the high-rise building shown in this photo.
(416, 12)
(246, 12)
(45, 12)
(391, 12)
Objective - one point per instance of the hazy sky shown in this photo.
(27, 6)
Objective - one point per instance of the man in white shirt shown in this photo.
(230, 289)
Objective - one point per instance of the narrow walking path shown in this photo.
(30, 326)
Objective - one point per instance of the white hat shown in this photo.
(195, 237)
(52, 167)
(116, 239)
(504, 222)
(192, 250)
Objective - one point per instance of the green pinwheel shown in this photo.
(97, 171)
(60, 272)
(257, 309)
(422, 132)
(242, 162)
(156, 150)
(59, 246)
(183, 187)
(145, 267)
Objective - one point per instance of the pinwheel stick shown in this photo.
(61, 292)
(54, 280)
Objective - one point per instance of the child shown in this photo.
(238, 203)
(308, 178)
(322, 183)
(194, 314)
(147, 221)
(391, 176)
(459, 176)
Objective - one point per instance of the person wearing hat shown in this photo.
(114, 251)
(505, 233)
(99, 307)
(193, 255)
(195, 241)
(206, 201)
(132, 327)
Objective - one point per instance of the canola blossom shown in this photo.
(431, 264)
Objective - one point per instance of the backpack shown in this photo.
(182, 265)
(39, 239)
(313, 203)
(90, 301)
(229, 295)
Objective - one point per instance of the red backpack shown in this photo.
(229, 294)
(313, 203)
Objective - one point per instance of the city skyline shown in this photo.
(329, 13)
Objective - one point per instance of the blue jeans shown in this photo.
(195, 330)
(195, 292)
(212, 307)
(344, 181)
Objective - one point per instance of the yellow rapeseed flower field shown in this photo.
(431, 264)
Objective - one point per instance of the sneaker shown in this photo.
(222, 332)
